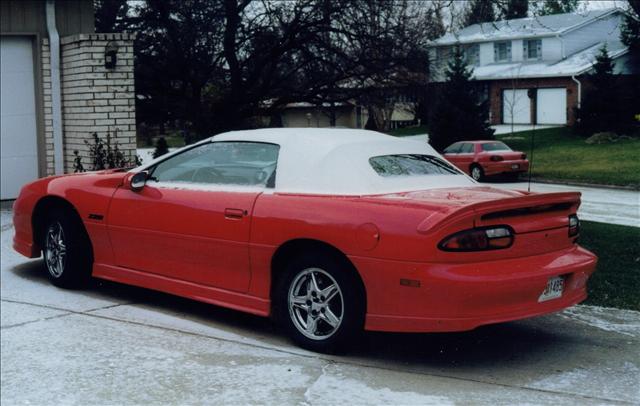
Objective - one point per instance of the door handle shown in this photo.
(234, 214)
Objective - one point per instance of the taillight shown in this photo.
(479, 239)
(523, 156)
(574, 225)
(496, 158)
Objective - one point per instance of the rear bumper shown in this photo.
(495, 168)
(459, 297)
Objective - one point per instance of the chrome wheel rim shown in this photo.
(316, 305)
(475, 173)
(55, 252)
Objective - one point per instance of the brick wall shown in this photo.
(497, 86)
(94, 98)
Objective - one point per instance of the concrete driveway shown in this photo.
(113, 344)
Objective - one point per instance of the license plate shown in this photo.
(553, 290)
(515, 166)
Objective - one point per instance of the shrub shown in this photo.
(104, 154)
(161, 147)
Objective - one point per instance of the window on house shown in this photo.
(472, 54)
(532, 49)
(502, 51)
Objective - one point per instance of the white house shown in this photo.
(532, 69)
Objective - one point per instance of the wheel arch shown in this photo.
(44, 206)
(289, 249)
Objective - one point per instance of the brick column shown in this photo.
(94, 98)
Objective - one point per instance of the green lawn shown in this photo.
(616, 282)
(561, 155)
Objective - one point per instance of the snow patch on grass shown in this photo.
(620, 321)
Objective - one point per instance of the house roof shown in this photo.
(575, 64)
(539, 26)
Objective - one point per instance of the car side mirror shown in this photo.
(139, 180)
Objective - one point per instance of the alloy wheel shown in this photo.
(316, 305)
(476, 173)
(55, 252)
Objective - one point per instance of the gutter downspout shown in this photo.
(573, 77)
(56, 98)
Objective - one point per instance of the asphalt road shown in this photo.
(113, 344)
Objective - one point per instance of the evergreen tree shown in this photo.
(479, 11)
(161, 147)
(458, 115)
(601, 109)
(558, 7)
(630, 33)
(514, 9)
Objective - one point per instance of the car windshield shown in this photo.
(495, 146)
(410, 165)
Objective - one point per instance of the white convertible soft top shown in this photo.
(336, 161)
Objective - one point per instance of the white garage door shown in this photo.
(551, 106)
(516, 107)
(18, 142)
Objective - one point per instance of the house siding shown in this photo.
(486, 53)
(29, 16)
(551, 49)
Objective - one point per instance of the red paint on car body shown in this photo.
(182, 242)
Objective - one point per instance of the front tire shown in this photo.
(66, 250)
(319, 303)
(477, 173)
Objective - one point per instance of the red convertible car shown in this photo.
(486, 158)
(330, 231)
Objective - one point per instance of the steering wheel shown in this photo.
(206, 175)
(261, 176)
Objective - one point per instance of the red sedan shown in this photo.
(329, 231)
(486, 158)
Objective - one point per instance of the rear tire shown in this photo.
(66, 250)
(319, 302)
(477, 173)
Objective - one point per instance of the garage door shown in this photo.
(516, 107)
(551, 106)
(18, 142)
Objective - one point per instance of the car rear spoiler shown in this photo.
(531, 212)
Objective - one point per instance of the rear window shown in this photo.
(410, 165)
(495, 146)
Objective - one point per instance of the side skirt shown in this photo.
(206, 294)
